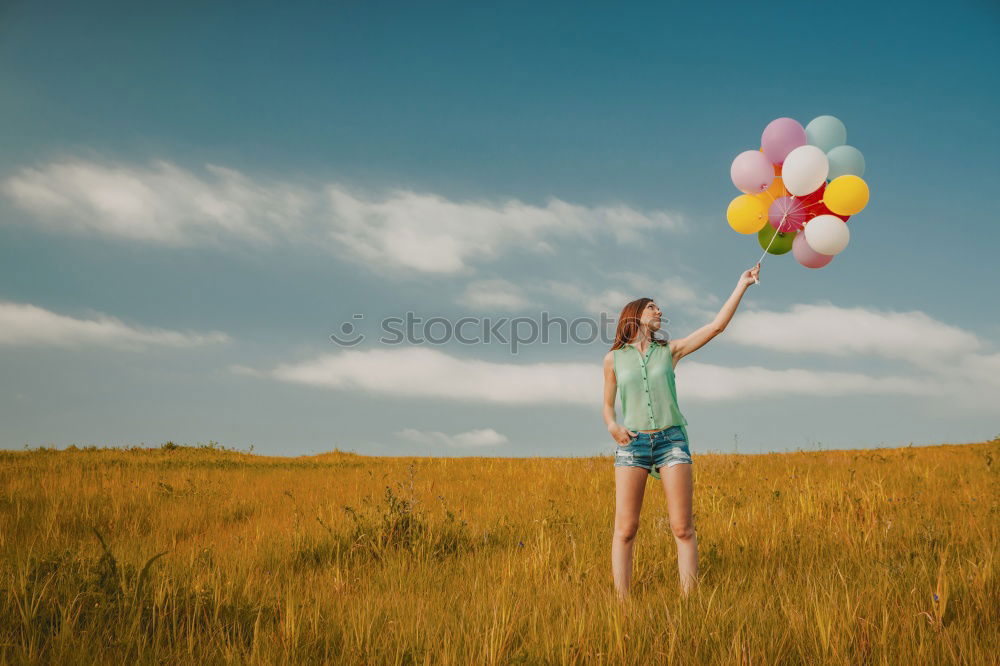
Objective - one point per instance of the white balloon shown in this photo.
(827, 234)
(804, 170)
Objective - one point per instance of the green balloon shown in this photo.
(781, 244)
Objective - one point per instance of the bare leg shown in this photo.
(678, 483)
(630, 486)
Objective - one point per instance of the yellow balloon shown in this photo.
(747, 214)
(846, 195)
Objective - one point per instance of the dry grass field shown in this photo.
(206, 555)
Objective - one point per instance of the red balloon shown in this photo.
(816, 195)
(813, 204)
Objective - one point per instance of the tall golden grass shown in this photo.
(207, 555)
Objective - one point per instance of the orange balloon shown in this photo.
(775, 190)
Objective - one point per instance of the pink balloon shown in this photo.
(786, 214)
(751, 172)
(780, 137)
(807, 256)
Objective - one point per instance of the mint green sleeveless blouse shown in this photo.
(646, 386)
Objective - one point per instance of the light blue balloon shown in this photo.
(845, 160)
(826, 133)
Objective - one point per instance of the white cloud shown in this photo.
(22, 324)
(403, 231)
(981, 368)
(161, 203)
(424, 372)
(567, 291)
(832, 330)
(431, 373)
(956, 365)
(706, 382)
(469, 439)
(972, 380)
(608, 300)
(667, 291)
(671, 294)
(494, 294)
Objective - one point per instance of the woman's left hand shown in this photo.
(750, 277)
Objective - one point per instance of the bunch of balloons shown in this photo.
(799, 189)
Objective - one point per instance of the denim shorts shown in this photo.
(653, 450)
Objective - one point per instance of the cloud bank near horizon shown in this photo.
(937, 359)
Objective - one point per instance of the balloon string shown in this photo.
(768, 245)
(780, 224)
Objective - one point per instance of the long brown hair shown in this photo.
(628, 323)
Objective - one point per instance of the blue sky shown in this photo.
(192, 200)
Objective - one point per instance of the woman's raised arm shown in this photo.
(683, 346)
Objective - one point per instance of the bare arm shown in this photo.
(610, 389)
(682, 347)
(618, 432)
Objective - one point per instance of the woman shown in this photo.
(651, 434)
